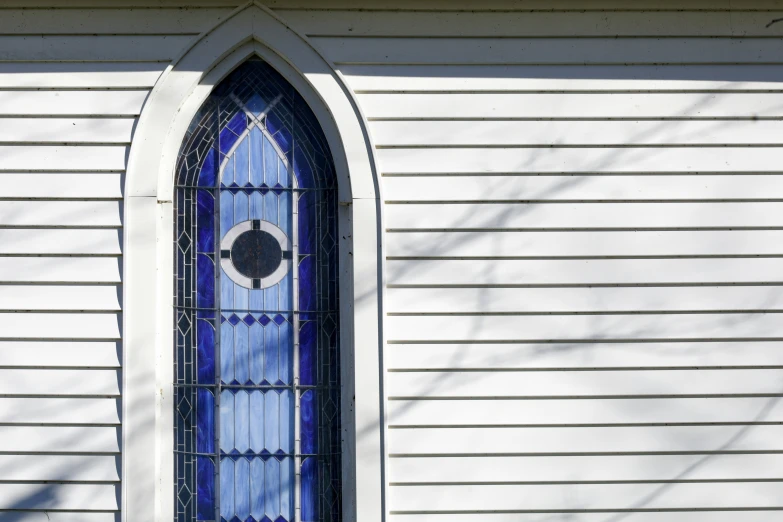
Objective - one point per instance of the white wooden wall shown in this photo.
(584, 215)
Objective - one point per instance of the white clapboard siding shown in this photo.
(610, 383)
(110, 21)
(60, 326)
(61, 185)
(59, 270)
(584, 496)
(36, 411)
(60, 439)
(70, 382)
(67, 130)
(520, 356)
(562, 24)
(495, 134)
(483, 244)
(62, 354)
(580, 216)
(542, 78)
(78, 75)
(583, 271)
(60, 241)
(93, 497)
(76, 103)
(62, 157)
(450, 470)
(65, 516)
(687, 515)
(65, 297)
(61, 213)
(628, 106)
(423, 412)
(59, 468)
(134, 48)
(546, 51)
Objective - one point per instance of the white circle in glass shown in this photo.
(256, 254)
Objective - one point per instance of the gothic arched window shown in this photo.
(257, 377)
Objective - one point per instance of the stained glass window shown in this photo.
(257, 421)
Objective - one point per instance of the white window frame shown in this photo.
(147, 401)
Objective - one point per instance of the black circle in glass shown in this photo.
(256, 254)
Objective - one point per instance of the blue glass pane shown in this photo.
(226, 352)
(272, 421)
(256, 343)
(242, 488)
(257, 488)
(242, 165)
(307, 286)
(206, 282)
(206, 489)
(241, 421)
(205, 334)
(287, 421)
(226, 421)
(309, 502)
(271, 353)
(309, 422)
(307, 345)
(231, 132)
(205, 422)
(241, 353)
(256, 422)
(272, 488)
(287, 492)
(256, 157)
(205, 221)
(270, 163)
(227, 488)
(208, 175)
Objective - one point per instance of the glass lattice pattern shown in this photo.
(257, 431)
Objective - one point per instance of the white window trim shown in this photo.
(148, 408)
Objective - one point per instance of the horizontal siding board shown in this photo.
(60, 516)
(557, 244)
(537, 24)
(586, 468)
(546, 51)
(66, 130)
(62, 185)
(137, 48)
(564, 412)
(61, 213)
(65, 468)
(62, 157)
(77, 103)
(110, 21)
(532, 384)
(576, 216)
(47, 382)
(59, 410)
(58, 439)
(411, 301)
(93, 354)
(574, 133)
(60, 242)
(770, 515)
(60, 326)
(583, 271)
(65, 297)
(577, 187)
(508, 357)
(74, 75)
(599, 106)
(87, 497)
(585, 440)
(618, 77)
(582, 497)
(59, 270)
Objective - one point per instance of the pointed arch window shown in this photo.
(256, 376)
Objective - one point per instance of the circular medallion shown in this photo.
(255, 254)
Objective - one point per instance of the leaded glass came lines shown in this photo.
(257, 431)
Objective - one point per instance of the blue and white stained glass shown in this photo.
(257, 431)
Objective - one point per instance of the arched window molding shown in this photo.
(147, 492)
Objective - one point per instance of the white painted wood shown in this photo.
(57, 241)
(59, 439)
(66, 130)
(66, 297)
(422, 133)
(97, 497)
(664, 516)
(61, 213)
(584, 383)
(587, 496)
(576, 216)
(584, 356)
(102, 383)
(583, 271)
(536, 24)
(584, 468)
(584, 440)
(59, 270)
(545, 51)
(53, 75)
(569, 161)
(62, 157)
(58, 516)
(572, 105)
(110, 21)
(555, 244)
(82, 185)
(499, 78)
(65, 468)
(58, 410)
(567, 412)
(93, 354)
(143, 48)
(76, 103)
(60, 326)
